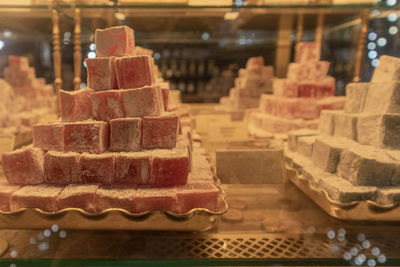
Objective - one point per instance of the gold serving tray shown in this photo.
(353, 211)
(115, 219)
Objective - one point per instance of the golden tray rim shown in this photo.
(363, 210)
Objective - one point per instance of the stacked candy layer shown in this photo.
(119, 144)
(25, 99)
(355, 155)
(297, 100)
(254, 80)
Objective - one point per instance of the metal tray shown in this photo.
(353, 211)
(115, 219)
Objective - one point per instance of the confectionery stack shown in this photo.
(119, 144)
(297, 100)
(355, 154)
(25, 99)
(254, 80)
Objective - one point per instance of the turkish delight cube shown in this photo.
(307, 109)
(255, 61)
(307, 51)
(43, 197)
(107, 105)
(201, 195)
(326, 152)
(125, 134)
(48, 136)
(305, 145)
(76, 105)
(86, 136)
(388, 70)
(345, 125)
(100, 74)
(61, 168)
(293, 137)
(115, 197)
(169, 168)
(81, 196)
(6, 190)
(97, 168)
(326, 124)
(133, 168)
(141, 102)
(332, 103)
(160, 131)
(115, 41)
(150, 199)
(23, 166)
(18, 62)
(366, 165)
(379, 130)
(356, 94)
(383, 97)
(134, 72)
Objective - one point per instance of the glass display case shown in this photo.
(272, 218)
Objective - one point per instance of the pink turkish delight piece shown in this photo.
(255, 61)
(319, 70)
(86, 136)
(290, 88)
(43, 197)
(170, 168)
(18, 62)
(307, 89)
(76, 105)
(125, 134)
(160, 131)
(119, 197)
(115, 41)
(307, 51)
(201, 195)
(134, 72)
(107, 105)
(141, 102)
(23, 166)
(150, 199)
(101, 74)
(6, 190)
(133, 168)
(61, 168)
(48, 136)
(97, 168)
(81, 196)
(200, 175)
(307, 109)
(326, 87)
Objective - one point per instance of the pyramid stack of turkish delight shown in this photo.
(118, 145)
(25, 98)
(297, 100)
(355, 155)
(254, 80)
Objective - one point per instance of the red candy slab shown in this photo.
(146, 101)
(108, 197)
(160, 131)
(133, 168)
(201, 195)
(48, 136)
(61, 168)
(148, 199)
(76, 105)
(125, 134)
(101, 74)
(107, 105)
(115, 41)
(134, 72)
(23, 166)
(42, 197)
(97, 168)
(81, 196)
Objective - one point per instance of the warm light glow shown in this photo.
(392, 17)
(372, 36)
(91, 55)
(92, 47)
(375, 62)
(393, 30)
(1, 44)
(231, 15)
(371, 45)
(381, 41)
(372, 54)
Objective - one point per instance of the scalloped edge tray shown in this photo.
(353, 211)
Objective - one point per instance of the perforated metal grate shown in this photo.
(257, 246)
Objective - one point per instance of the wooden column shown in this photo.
(56, 52)
(77, 50)
(300, 26)
(320, 28)
(361, 44)
(284, 44)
